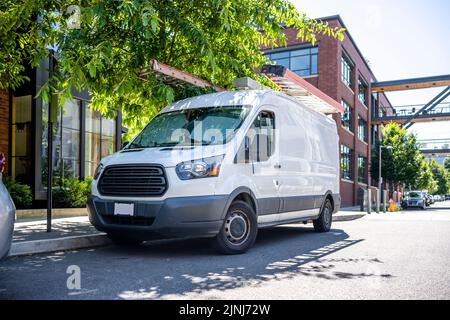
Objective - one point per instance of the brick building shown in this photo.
(340, 70)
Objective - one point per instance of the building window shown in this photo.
(346, 162)
(303, 61)
(347, 116)
(100, 140)
(362, 171)
(362, 129)
(347, 71)
(21, 138)
(362, 91)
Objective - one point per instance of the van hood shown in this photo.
(166, 156)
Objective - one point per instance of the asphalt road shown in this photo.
(386, 256)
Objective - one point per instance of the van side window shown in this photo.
(258, 145)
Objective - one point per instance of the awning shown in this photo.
(297, 87)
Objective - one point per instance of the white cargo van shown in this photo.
(221, 165)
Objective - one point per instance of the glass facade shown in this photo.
(347, 71)
(346, 119)
(301, 61)
(21, 138)
(99, 137)
(346, 162)
(362, 169)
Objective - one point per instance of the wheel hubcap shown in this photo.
(327, 215)
(236, 228)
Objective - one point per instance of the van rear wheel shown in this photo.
(323, 222)
(239, 229)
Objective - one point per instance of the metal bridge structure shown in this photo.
(435, 147)
(437, 109)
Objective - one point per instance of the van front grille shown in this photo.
(133, 181)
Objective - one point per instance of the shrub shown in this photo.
(73, 193)
(20, 193)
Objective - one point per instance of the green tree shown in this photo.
(447, 164)
(217, 40)
(401, 158)
(442, 177)
(425, 179)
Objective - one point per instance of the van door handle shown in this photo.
(277, 166)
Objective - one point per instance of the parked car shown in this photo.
(7, 214)
(437, 198)
(414, 199)
(447, 197)
(221, 165)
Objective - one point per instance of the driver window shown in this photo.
(258, 145)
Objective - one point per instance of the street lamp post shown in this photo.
(380, 148)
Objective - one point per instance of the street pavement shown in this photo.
(381, 256)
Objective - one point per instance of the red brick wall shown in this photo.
(4, 123)
(329, 81)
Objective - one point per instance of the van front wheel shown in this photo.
(323, 222)
(239, 229)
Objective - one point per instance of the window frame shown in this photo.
(313, 52)
(347, 70)
(363, 137)
(348, 160)
(350, 120)
(362, 160)
(363, 97)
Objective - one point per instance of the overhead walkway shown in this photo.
(435, 110)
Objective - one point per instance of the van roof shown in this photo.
(224, 98)
(234, 98)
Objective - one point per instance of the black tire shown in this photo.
(323, 222)
(239, 229)
(122, 240)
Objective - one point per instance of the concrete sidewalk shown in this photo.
(76, 233)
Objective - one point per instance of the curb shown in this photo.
(59, 244)
(349, 217)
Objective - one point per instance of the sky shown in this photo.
(401, 39)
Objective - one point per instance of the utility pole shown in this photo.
(50, 148)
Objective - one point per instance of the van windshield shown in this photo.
(192, 127)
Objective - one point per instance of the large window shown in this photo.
(362, 91)
(302, 61)
(362, 129)
(347, 116)
(347, 71)
(21, 139)
(362, 169)
(346, 162)
(100, 140)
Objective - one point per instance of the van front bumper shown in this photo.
(170, 218)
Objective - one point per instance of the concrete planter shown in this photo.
(27, 214)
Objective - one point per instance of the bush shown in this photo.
(20, 193)
(72, 194)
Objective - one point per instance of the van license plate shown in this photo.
(124, 209)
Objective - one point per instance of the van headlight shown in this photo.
(202, 168)
(98, 170)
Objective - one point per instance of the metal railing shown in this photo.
(404, 111)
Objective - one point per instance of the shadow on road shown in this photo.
(172, 268)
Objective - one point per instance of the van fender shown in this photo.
(336, 198)
(234, 194)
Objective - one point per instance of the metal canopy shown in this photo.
(174, 77)
(297, 87)
(409, 84)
